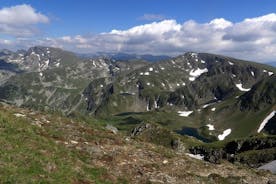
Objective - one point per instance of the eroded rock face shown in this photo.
(251, 151)
(154, 133)
(211, 155)
(139, 129)
(178, 145)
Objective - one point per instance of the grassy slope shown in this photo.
(47, 148)
(31, 155)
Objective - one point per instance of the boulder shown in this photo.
(112, 129)
(139, 129)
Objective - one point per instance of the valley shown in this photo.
(194, 118)
(193, 90)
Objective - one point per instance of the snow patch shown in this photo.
(213, 109)
(198, 72)
(184, 113)
(252, 73)
(210, 127)
(37, 55)
(45, 65)
(148, 107)
(148, 83)
(262, 125)
(74, 142)
(191, 78)
(206, 105)
(197, 156)
(93, 62)
(19, 115)
(239, 86)
(101, 86)
(194, 54)
(202, 61)
(155, 104)
(230, 63)
(150, 69)
(270, 73)
(224, 134)
(146, 73)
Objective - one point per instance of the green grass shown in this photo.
(28, 155)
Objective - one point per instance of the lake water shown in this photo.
(192, 132)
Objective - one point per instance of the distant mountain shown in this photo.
(271, 63)
(214, 97)
(127, 57)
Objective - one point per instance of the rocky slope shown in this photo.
(39, 147)
(55, 79)
(205, 90)
(217, 97)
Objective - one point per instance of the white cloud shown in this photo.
(20, 20)
(252, 38)
(220, 23)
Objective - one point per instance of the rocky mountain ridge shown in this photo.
(195, 90)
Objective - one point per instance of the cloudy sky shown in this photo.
(245, 29)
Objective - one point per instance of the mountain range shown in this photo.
(208, 96)
(117, 118)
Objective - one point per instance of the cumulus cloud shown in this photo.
(252, 38)
(20, 20)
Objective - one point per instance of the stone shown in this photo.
(139, 129)
(112, 129)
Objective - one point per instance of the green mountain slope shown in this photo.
(47, 148)
(203, 93)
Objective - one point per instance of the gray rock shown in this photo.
(95, 151)
(139, 129)
(112, 129)
(271, 166)
(178, 145)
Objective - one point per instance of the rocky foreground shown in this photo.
(39, 147)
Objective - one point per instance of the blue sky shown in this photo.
(66, 22)
(94, 16)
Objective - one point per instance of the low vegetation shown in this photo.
(48, 148)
